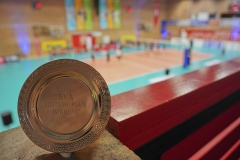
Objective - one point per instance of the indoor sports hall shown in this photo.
(172, 68)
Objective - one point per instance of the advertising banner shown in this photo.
(50, 45)
(83, 42)
(213, 35)
(126, 37)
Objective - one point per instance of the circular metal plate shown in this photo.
(64, 105)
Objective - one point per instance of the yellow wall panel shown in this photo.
(53, 44)
(126, 37)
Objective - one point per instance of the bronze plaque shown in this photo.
(64, 105)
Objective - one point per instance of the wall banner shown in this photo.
(116, 17)
(70, 15)
(103, 13)
(155, 13)
(109, 14)
(88, 18)
(79, 14)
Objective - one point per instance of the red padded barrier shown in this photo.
(219, 144)
(2, 60)
(140, 115)
(194, 142)
(233, 152)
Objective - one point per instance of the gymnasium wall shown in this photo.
(217, 6)
(182, 9)
(17, 19)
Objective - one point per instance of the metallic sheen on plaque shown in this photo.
(64, 105)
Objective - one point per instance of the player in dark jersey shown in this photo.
(108, 56)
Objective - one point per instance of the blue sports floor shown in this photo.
(13, 75)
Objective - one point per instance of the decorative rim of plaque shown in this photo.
(28, 106)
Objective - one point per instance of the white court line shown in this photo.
(140, 75)
(138, 65)
(159, 79)
(212, 62)
(151, 72)
(136, 76)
